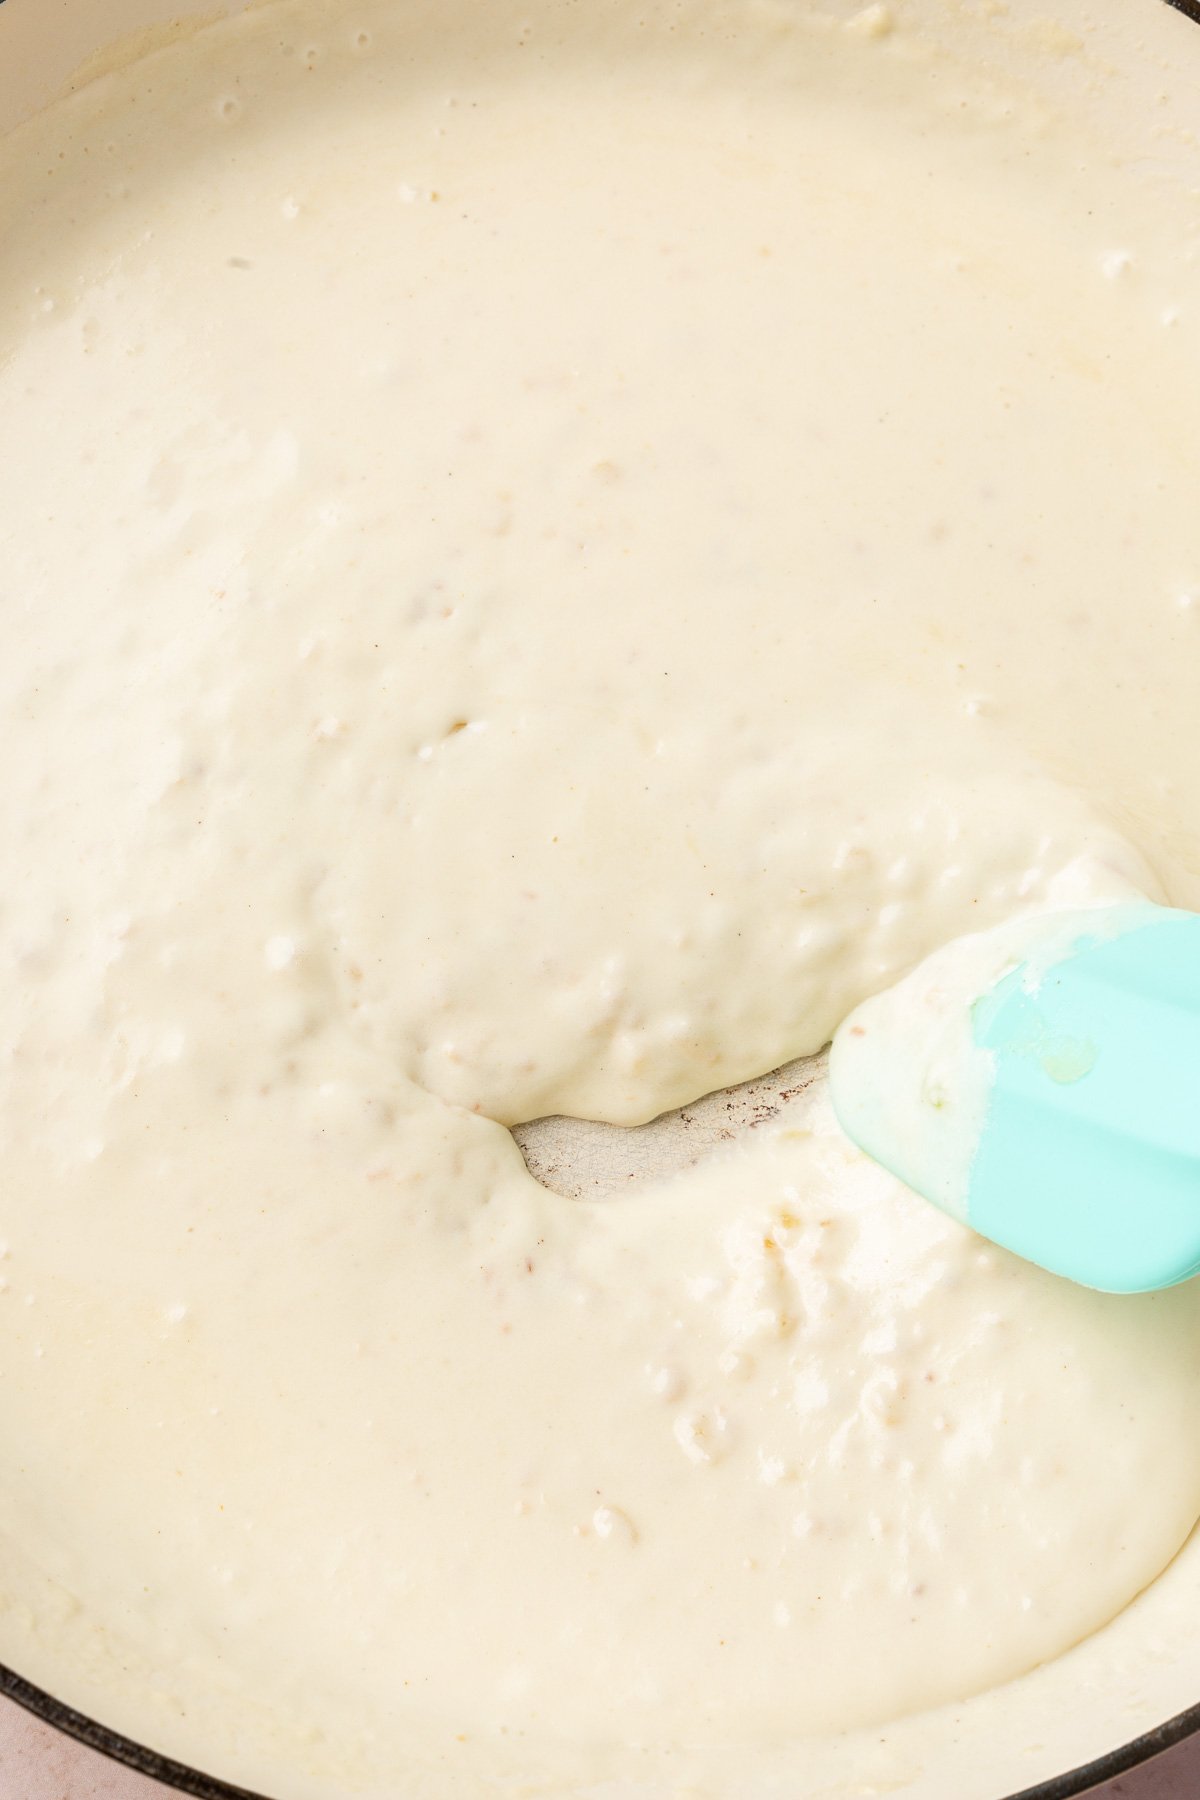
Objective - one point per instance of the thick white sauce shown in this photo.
(545, 556)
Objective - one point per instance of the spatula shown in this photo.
(1042, 1083)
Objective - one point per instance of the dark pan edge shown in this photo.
(111, 1744)
(184, 1780)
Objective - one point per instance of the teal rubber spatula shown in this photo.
(1042, 1083)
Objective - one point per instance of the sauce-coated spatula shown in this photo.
(1053, 1105)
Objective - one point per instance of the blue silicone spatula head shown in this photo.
(1055, 1108)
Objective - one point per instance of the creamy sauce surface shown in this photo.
(545, 557)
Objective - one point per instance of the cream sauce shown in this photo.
(547, 557)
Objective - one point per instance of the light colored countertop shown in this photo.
(39, 1764)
